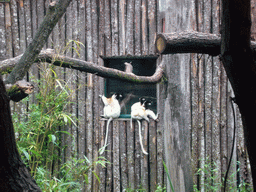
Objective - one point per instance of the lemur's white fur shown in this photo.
(111, 110)
(139, 112)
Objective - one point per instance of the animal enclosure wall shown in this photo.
(193, 99)
(106, 28)
(195, 103)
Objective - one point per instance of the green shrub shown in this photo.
(38, 136)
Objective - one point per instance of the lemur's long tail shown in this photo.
(141, 144)
(106, 136)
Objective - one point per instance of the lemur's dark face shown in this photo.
(147, 103)
(119, 96)
(142, 100)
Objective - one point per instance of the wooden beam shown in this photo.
(191, 42)
(188, 42)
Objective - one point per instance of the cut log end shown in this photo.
(160, 44)
(19, 90)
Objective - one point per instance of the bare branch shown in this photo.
(72, 63)
(54, 13)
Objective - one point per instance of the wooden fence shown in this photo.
(117, 28)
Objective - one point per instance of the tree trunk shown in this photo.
(14, 175)
(238, 61)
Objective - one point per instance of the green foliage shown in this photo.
(39, 132)
(210, 183)
(73, 173)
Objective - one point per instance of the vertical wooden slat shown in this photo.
(208, 111)
(223, 120)
(22, 26)
(194, 117)
(40, 12)
(207, 91)
(123, 154)
(137, 27)
(129, 28)
(108, 52)
(159, 97)
(28, 21)
(114, 27)
(89, 95)
(109, 152)
(116, 163)
(81, 81)
(144, 26)
(114, 46)
(152, 158)
(96, 90)
(101, 30)
(74, 129)
(103, 171)
(130, 154)
(200, 15)
(15, 28)
(81, 89)
(216, 121)
(152, 25)
(70, 79)
(8, 28)
(2, 33)
(160, 142)
(216, 98)
(144, 158)
(122, 34)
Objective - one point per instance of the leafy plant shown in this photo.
(38, 136)
(210, 181)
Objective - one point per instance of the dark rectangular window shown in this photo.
(142, 66)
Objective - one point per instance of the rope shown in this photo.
(233, 145)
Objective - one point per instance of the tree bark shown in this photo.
(72, 63)
(188, 42)
(191, 42)
(14, 175)
(53, 15)
(237, 58)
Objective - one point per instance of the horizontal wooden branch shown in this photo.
(77, 64)
(190, 42)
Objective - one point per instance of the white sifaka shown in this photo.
(139, 112)
(111, 110)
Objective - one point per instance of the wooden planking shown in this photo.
(121, 27)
